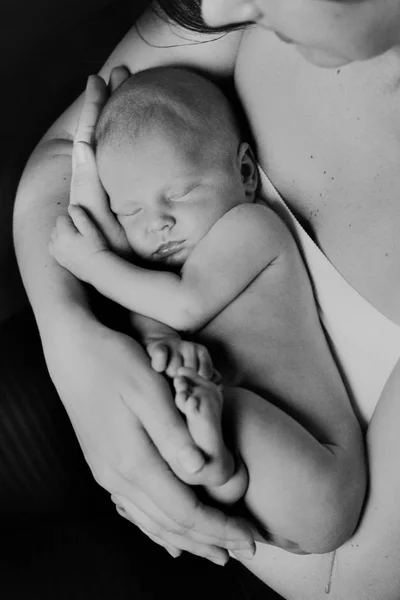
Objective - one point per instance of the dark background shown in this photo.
(60, 537)
(47, 49)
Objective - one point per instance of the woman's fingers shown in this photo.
(164, 537)
(178, 508)
(118, 76)
(172, 550)
(171, 505)
(96, 96)
(86, 187)
(88, 192)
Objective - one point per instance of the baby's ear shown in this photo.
(248, 169)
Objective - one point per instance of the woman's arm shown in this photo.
(45, 186)
(366, 567)
(209, 279)
(72, 337)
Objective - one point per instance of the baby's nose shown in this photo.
(159, 221)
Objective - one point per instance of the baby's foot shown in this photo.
(201, 401)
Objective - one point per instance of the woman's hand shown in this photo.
(86, 188)
(131, 433)
(133, 438)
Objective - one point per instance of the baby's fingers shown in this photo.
(158, 353)
(82, 222)
(64, 226)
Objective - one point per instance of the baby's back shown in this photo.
(270, 335)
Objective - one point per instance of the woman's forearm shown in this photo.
(299, 489)
(43, 194)
(366, 567)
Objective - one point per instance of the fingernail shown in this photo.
(217, 560)
(80, 153)
(191, 460)
(246, 552)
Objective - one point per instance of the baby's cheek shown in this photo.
(133, 238)
(140, 249)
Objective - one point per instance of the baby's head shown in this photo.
(171, 158)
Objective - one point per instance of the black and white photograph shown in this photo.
(200, 300)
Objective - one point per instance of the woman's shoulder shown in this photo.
(155, 40)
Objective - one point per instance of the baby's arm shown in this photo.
(185, 302)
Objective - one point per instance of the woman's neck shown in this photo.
(330, 142)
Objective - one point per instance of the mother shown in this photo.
(329, 140)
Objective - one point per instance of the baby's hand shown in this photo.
(170, 353)
(75, 241)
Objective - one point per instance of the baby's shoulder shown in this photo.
(259, 223)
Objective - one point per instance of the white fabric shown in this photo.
(366, 343)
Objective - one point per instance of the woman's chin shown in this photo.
(322, 58)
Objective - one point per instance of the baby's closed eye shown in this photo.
(182, 195)
(131, 213)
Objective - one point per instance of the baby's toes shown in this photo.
(182, 392)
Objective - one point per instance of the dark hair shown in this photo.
(187, 13)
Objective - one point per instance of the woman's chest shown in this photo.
(330, 142)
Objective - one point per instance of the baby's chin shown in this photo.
(169, 263)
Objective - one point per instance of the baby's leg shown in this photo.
(201, 401)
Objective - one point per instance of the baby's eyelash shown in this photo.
(180, 197)
(130, 214)
(134, 212)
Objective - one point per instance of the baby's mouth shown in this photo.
(168, 249)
